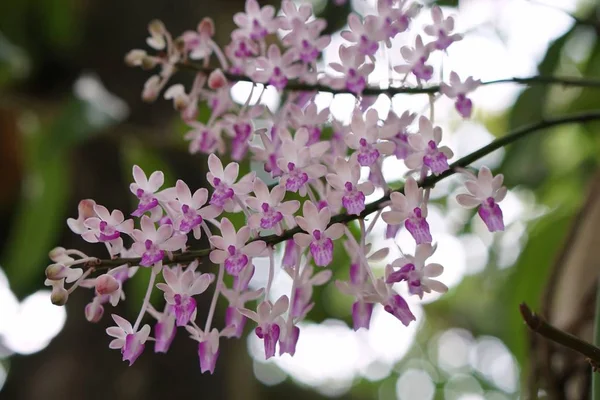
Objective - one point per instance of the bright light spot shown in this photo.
(407, 102)
(394, 170)
(471, 136)
(436, 219)
(415, 384)
(9, 305)
(341, 107)
(241, 91)
(512, 208)
(105, 106)
(35, 324)
(494, 361)
(323, 100)
(476, 251)
(463, 387)
(453, 349)
(327, 356)
(330, 356)
(579, 45)
(377, 371)
(388, 340)
(510, 244)
(451, 254)
(268, 373)
(383, 106)
(470, 396)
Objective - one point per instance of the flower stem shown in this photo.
(361, 251)
(213, 303)
(290, 320)
(78, 281)
(271, 273)
(146, 300)
(372, 223)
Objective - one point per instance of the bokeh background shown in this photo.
(72, 124)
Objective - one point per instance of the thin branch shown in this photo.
(541, 327)
(428, 182)
(297, 86)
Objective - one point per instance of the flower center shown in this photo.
(367, 154)
(270, 218)
(236, 261)
(152, 255)
(221, 194)
(190, 220)
(296, 178)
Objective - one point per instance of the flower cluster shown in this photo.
(307, 154)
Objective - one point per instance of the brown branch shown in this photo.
(428, 182)
(538, 325)
(296, 86)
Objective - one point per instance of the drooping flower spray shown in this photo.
(323, 171)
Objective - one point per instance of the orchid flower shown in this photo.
(486, 191)
(232, 249)
(320, 237)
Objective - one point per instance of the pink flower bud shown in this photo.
(149, 62)
(151, 88)
(135, 57)
(216, 79)
(106, 284)
(156, 27)
(56, 272)
(206, 27)
(94, 311)
(57, 253)
(59, 296)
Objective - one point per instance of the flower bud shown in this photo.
(57, 271)
(156, 27)
(86, 208)
(179, 44)
(149, 62)
(206, 27)
(216, 79)
(94, 311)
(135, 57)
(57, 253)
(59, 296)
(180, 99)
(151, 88)
(180, 102)
(106, 284)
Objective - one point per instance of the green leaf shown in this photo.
(588, 98)
(529, 277)
(524, 162)
(41, 213)
(61, 21)
(335, 15)
(38, 221)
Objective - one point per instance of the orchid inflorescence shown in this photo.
(323, 170)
